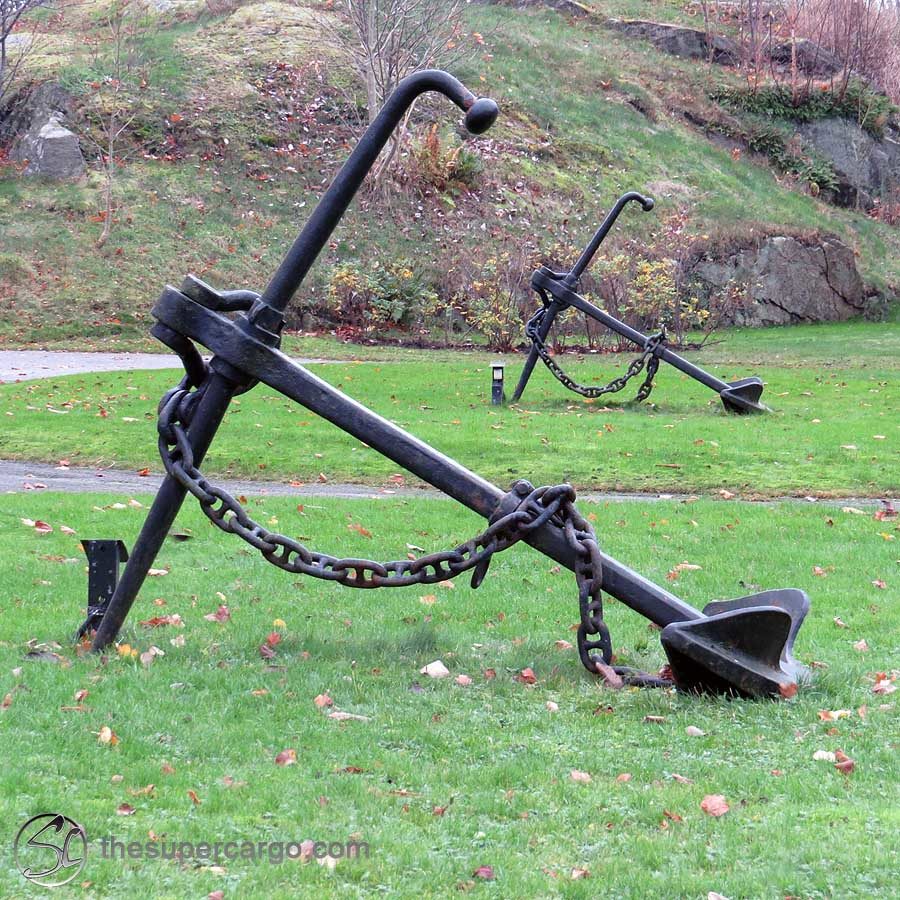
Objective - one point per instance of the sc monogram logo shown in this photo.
(50, 849)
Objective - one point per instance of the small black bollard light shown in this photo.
(497, 395)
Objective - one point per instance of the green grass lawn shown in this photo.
(833, 430)
(211, 715)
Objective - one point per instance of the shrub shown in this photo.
(367, 299)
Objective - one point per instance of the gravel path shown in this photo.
(17, 477)
(24, 365)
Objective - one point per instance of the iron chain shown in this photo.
(534, 507)
(648, 358)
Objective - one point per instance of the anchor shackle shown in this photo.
(480, 115)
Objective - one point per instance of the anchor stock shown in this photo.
(741, 646)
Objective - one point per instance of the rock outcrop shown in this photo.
(783, 280)
(678, 40)
(812, 58)
(866, 168)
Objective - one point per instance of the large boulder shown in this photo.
(812, 58)
(34, 124)
(782, 280)
(678, 40)
(867, 168)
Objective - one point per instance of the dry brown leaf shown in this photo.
(714, 805)
(484, 872)
(527, 676)
(623, 777)
(286, 757)
(125, 809)
(463, 680)
(194, 798)
(580, 777)
(107, 736)
(222, 614)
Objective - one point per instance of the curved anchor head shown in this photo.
(742, 647)
(481, 115)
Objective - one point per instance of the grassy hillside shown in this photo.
(243, 122)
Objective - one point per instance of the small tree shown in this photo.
(389, 39)
(12, 58)
(113, 102)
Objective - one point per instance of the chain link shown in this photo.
(534, 507)
(648, 358)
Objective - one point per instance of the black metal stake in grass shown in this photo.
(742, 646)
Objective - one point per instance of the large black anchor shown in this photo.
(741, 646)
(558, 292)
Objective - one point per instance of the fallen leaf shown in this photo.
(142, 792)
(788, 690)
(694, 731)
(681, 779)
(463, 680)
(672, 817)
(266, 652)
(884, 685)
(824, 756)
(485, 872)
(125, 809)
(340, 716)
(623, 777)
(107, 736)
(832, 715)
(355, 526)
(159, 621)
(675, 571)
(861, 646)
(286, 757)
(157, 573)
(527, 676)
(148, 656)
(563, 645)
(714, 805)
(7, 701)
(323, 700)
(840, 622)
(726, 495)
(881, 585)
(194, 798)
(610, 676)
(654, 720)
(222, 614)
(167, 769)
(551, 706)
(576, 874)
(177, 641)
(580, 777)
(435, 669)
(428, 599)
(489, 674)
(843, 763)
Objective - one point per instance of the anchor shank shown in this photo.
(679, 362)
